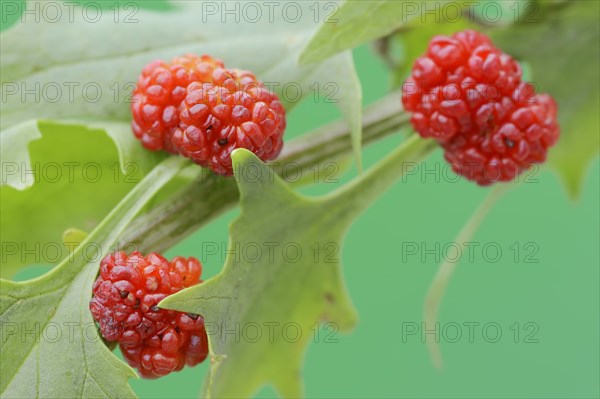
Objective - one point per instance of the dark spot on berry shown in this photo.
(222, 141)
(143, 326)
(509, 143)
(192, 315)
(137, 303)
(177, 329)
(154, 308)
(160, 336)
(123, 294)
(209, 128)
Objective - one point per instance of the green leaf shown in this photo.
(563, 53)
(263, 290)
(73, 235)
(80, 174)
(282, 272)
(91, 76)
(49, 344)
(61, 137)
(355, 23)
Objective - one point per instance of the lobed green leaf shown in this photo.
(61, 176)
(49, 344)
(269, 287)
(282, 274)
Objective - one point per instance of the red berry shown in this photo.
(124, 304)
(468, 95)
(159, 91)
(230, 110)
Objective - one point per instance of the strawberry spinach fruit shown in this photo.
(125, 305)
(196, 107)
(468, 95)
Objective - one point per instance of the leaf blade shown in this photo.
(355, 23)
(62, 175)
(59, 298)
(243, 294)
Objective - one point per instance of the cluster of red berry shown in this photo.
(125, 305)
(468, 95)
(196, 107)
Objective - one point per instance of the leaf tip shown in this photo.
(248, 169)
(169, 302)
(241, 156)
(573, 185)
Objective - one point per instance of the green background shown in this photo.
(559, 293)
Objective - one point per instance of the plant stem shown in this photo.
(209, 196)
(333, 140)
(442, 277)
(358, 195)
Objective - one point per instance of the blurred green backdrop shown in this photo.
(556, 355)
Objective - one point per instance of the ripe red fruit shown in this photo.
(124, 304)
(231, 110)
(158, 93)
(468, 95)
(197, 108)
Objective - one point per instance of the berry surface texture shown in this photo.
(195, 107)
(124, 304)
(468, 95)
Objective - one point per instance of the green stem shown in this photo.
(358, 195)
(381, 119)
(440, 282)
